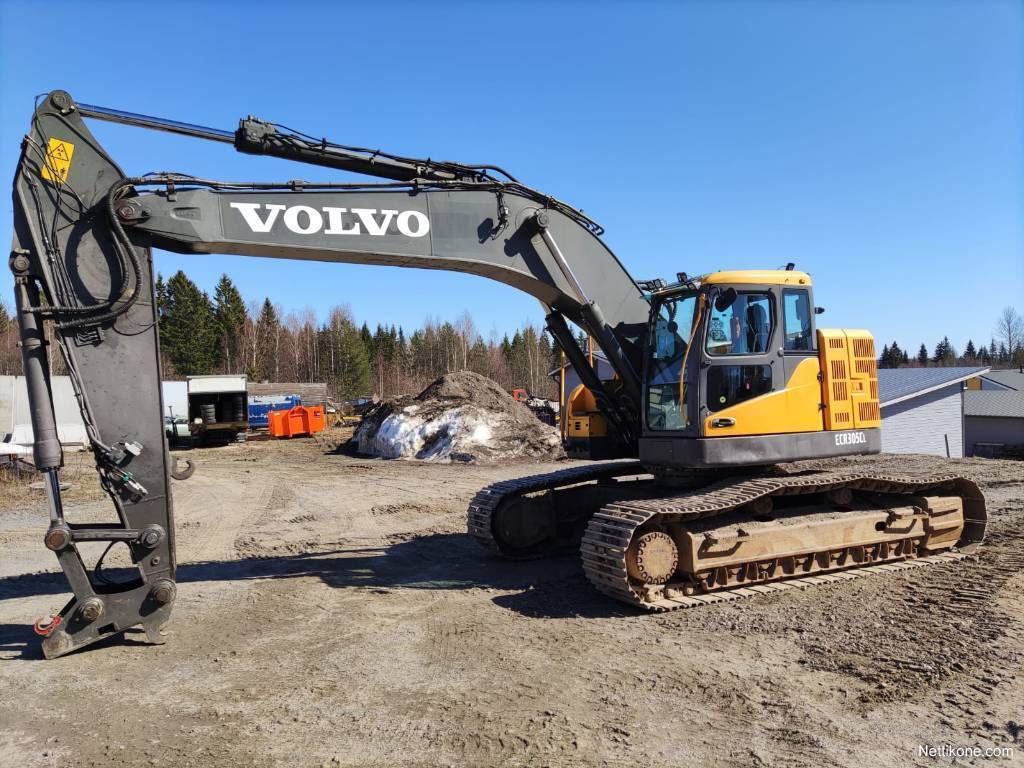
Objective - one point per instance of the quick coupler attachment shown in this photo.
(99, 609)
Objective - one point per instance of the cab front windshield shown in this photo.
(670, 338)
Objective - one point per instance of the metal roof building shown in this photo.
(922, 409)
(1012, 378)
(994, 404)
(994, 422)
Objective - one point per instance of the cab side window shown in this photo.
(744, 327)
(796, 311)
(732, 384)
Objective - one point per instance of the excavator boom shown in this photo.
(82, 260)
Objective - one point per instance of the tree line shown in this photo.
(225, 334)
(200, 334)
(1005, 349)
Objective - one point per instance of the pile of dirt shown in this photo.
(461, 416)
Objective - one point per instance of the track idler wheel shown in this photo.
(652, 558)
(524, 524)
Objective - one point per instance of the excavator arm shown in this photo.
(82, 261)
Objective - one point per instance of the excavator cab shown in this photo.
(736, 373)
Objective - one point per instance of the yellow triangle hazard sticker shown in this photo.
(58, 160)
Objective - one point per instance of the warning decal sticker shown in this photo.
(58, 160)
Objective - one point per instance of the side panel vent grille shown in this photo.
(850, 385)
(868, 412)
(868, 368)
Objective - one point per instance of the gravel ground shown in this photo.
(332, 612)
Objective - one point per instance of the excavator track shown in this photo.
(611, 532)
(486, 505)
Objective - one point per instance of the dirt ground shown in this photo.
(331, 611)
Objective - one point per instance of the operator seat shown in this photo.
(757, 328)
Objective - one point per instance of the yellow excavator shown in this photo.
(718, 379)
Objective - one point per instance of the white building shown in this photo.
(923, 409)
(16, 423)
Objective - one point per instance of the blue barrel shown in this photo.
(261, 405)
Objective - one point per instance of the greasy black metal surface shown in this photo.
(62, 227)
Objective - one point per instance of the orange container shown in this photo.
(300, 420)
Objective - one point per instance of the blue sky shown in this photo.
(878, 145)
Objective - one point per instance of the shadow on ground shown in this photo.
(551, 588)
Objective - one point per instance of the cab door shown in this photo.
(671, 369)
(798, 347)
(741, 366)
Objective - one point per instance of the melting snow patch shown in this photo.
(460, 417)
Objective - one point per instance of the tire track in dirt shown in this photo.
(393, 642)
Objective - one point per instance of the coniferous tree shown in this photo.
(581, 339)
(269, 330)
(945, 353)
(895, 358)
(970, 353)
(367, 338)
(188, 330)
(883, 359)
(229, 313)
(352, 377)
(227, 335)
(479, 362)
(556, 355)
(160, 289)
(417, 353)
(922, 355)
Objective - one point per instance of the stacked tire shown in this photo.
(208, 411)
(239, 408)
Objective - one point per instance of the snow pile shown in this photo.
(460, 417)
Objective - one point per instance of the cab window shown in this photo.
(732, 384)
(742, 328)
(670, 338)
(796, 310)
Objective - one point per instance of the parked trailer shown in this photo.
(217, 408)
